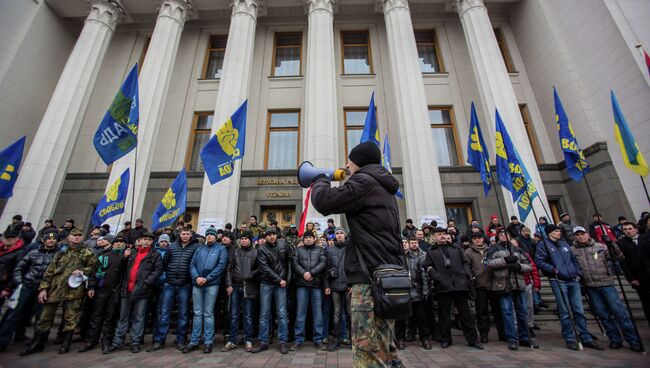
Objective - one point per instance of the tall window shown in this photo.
(214, 57)
(144, 53)
(504, 51)
(525, 115)
(199, 137)
(356, 52)
(462, 215)
(354, 121)
(282, 140)
(287, 54)
(428, 53)
(554, 207)
(443, 133)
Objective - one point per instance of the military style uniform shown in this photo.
(55, 282)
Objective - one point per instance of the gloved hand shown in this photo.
(514, 267)
(511, 259)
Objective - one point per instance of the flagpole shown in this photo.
(645, 188)
(135, 166)
(497, 197)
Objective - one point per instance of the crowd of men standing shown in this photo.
(265, 279)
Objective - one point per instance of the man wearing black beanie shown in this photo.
(368, 201)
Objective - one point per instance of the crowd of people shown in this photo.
(259, 281)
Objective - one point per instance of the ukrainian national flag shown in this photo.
(632, 157)
(370, 130)
(576, 163)
(385, 162)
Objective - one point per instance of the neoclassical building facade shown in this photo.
(308, 69)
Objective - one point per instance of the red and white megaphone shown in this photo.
(307, 172)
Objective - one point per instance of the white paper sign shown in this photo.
(319, 222)
(207, 222)
(442, 221)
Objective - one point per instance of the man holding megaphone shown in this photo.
(367, 199)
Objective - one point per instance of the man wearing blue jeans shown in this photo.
(308, 266)
(208, 264)
(241, 287)
(556, 261)
(177, 289)
(598, 280)
(274, 262)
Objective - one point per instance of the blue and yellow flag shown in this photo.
(385, 162)
(576, 164)
(117, 133)
(227, 145)
(632, 157)
(10, 159)
(477, 154)
(112, 203)
(511, 171)
(173, 203)
(370, 130)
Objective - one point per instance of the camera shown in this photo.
(447, 262)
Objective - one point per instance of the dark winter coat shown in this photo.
(177, 262)
(567, 231)
(368, 201)
(419, 281)
(637, 259)
(312, 259)
(135, 233)
(66, 261)
(242, 266)
(8, 261)
(594, 259)
(209, 261)
(336, 279)
(274, 262)
(504, 279)
(150, 269)
(482, 274)
(110, 270)
(555, 258)
(30, 269)
(454, 277)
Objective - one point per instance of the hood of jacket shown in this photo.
(383, 176)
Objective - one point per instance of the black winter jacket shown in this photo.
(415, 266)
(637, 259)
(30, 270)
(150, 269)
(335, 278)
(242, 266)
(8, 262)
(274, 262)
(110, 270)
(177, 263)
(454, 277)
(135, 233)
(368, 201)
(312, 259)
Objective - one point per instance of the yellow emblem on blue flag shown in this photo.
(10, 158)
(113, 201)
(172, 204)
(227, 145)
(477, 154)
(576, 163)
(632, 156)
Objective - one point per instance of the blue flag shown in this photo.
(512, 173)
(576, 164)
(227, 145)
(117, 133)
(370, 131)
(385, 162)
(173, 203)
(112, 203)
(632, 156)
(477, 154)
(10, 159)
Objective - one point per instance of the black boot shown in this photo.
(67, 340)
(58, 340)
(37, 345)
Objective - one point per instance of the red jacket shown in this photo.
(533, 275)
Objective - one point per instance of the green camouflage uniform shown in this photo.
(55, 282)
(371, 337)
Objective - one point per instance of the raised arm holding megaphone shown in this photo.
(307, 173)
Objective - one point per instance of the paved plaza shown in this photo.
(496, 354)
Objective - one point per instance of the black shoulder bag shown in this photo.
(391, 289)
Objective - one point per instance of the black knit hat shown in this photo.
(308, 233)
(365, 153)
(550, 228)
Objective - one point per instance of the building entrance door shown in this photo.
(284, 215)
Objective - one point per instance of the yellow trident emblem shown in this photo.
(476, 145)
(111, 193)
(227, 137)
(501, 149)
(169, 200)
(6, 174)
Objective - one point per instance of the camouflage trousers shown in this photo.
(372, 338)
(71, 314)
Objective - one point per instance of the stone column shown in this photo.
(320, 123)
(43, 171)
(154, 78)
(496, 91)
(219, 201)
(422, 186)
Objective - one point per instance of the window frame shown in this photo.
(505, 51)
(436, 46)
(556, 209)
(530, 133)
(269, 113)
(360, 127)
(452, 119)
(208, 51)
(343, 45)
(469, 211)
(275, 47)
(192, 139)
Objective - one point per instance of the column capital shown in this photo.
(106, 12)
(252, 8)
(386, 6)
(320, 5)
(461, 6)
(177, 10)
